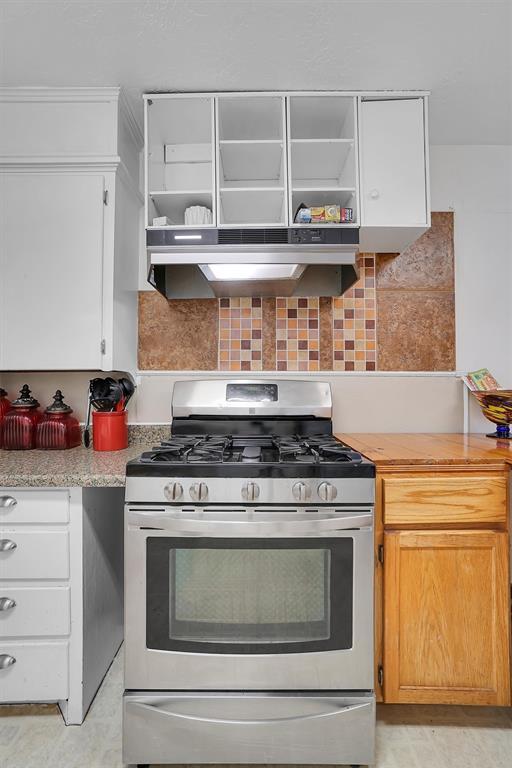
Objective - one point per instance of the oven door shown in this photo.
(249, 598)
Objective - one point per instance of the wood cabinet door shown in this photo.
(51, 271)
(393, 163)
(446, 617)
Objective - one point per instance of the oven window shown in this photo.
(250, 596)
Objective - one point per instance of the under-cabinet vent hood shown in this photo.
(283, 261)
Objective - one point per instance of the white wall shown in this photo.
(476, 182)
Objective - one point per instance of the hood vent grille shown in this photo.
(252, 236)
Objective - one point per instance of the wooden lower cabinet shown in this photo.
(446, 617)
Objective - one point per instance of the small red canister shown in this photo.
(57, 429)
(19, 425)
(5, 405)
(109, 430)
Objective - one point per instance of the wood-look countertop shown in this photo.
(388, 449)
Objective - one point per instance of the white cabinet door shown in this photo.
(392, 154)
(51, 261)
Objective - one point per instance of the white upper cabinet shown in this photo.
(323, 152)
(180, 157)
(394, 190)
(69, 211)
(252, 159)
(51, 267)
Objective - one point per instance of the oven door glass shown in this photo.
(252, 596)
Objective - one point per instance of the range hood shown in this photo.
(284, 261)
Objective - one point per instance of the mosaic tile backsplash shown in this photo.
(399, 316)
(240, 334)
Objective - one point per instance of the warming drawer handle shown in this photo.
(6, 545)
(7, 502)
(164, 521)
(6, 661)
(266, 721)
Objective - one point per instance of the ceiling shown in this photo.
(460, 50)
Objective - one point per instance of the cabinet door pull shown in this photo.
(7, 545)
(6, 660)
(6, 603)
(7, 502)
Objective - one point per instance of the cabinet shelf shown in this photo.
(264, 206)
(322, 117)
(322, 163)
(250, 117)
(251, 164)
(173, 203)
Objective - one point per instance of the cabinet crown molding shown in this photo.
(75, 94)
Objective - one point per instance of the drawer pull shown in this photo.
(6, 545)
(6, 603)
(6, 660)
(6, 502)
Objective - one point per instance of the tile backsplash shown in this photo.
(240, 334)
(297, 334)
(399, 315)
(354, 321)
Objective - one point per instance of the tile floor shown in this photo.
(407, 737)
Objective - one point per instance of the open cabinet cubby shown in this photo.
(180, 157)
(250, 158)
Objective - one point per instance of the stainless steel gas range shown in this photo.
(249, 583)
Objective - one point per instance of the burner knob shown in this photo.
(198, 491)
(301, 492)
(173, 491)
(250, 491)
(327, 492)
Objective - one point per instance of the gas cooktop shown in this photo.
(251, 456)
(206, 449)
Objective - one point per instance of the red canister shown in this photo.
(109, 430)
(5, 405)
(57, 429)
(20, 422)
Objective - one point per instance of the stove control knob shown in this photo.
(301, 492)
(198, 491)
(327, 492)
(250, 491)
(173, 491)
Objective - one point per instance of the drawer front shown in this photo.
(40, 672)
(248, 728)
(451, 499)
(34, 554)
(37, 611)
(37, 506)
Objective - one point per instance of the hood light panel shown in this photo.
(232, 272)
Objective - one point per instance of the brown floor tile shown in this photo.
(416, 330)
(177, 335)
(426, 264)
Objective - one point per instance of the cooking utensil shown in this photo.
(128, 389)
(87, 434)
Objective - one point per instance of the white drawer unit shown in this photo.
(34, 611)
(33, 554)
(61, 555)
(33, 506)
(33, 671)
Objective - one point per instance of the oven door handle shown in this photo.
(157, 710)
(181, 525)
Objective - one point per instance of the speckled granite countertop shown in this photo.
(81, 466)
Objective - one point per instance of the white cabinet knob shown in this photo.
(374, 194)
